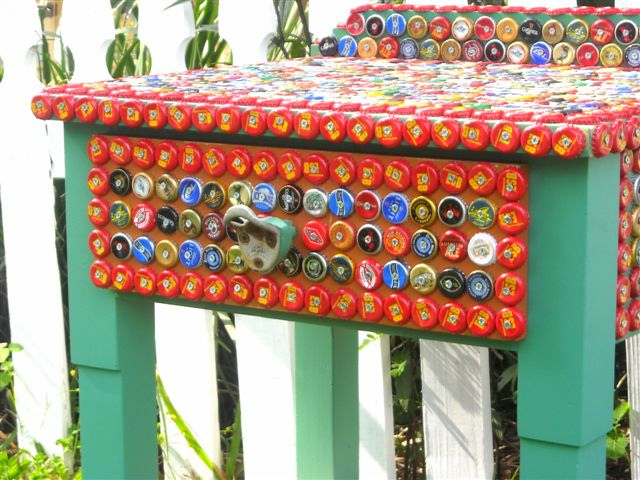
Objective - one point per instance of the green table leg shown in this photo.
(565, 390)
(112, 342)
(326, 373)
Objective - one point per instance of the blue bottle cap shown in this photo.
(144, 250)
(264, 197)
(409, 48)
(479, 286)
(190, 254)
(214, 258)
(540, 53)
(347, 46)
(190, 191)
(424, 244)
(396, 25)
(482, 213)
(395, 274)
(395, 208)
(341, 202)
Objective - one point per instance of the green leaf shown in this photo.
(234, 447)
(619, 412)
(397, 368)
(15, 347)
(508, 375)
(617, 444)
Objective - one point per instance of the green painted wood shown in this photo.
(326, 388)
(566, 363)
(551, 461)
(112, 342)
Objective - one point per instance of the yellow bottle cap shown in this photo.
(166, 253)
(367, 47)
(552, 32)
(451, 50)
(564, 54)
(423, 278)
(611, 55)
(507, 30)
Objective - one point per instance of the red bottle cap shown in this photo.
(240, 289)
(452, 317)
(122, 278)
(144, 217)
(482, 178)
(397, 175)
(98, 212)
(424, 312)
(370, 306)
(143, 154)
(625, 255)
(633, 133)
(214, 161)
(98, 150)
(484, 28)
(536, 140)
(168, 284)
(623, 290)
(623, 323)
(587, 55)
(388, 131)
(144, 281)
(453, 178)
(370, 173)
(254, 121)
(120, 150)
(397, 241)
(568, 141)
(333, 126)
(625, 226)
(215, 288)
(513, 218)
(481, 320)
(511, 323)
(62, 107)
(626, 193)
(190, 158)
(626, 162)
(191, 286)
(397, 308)
(280, 122)
(315, 235)
(475, 135)
(99, 243)
(100, 273)
(634, 315)
(453, 245)
(343, 303)
(512, 184)
(265, 291)
(239, 162)
(355, 23)
(342, 170)
(307, 124)
(360, 128)
(619, 136)
(264, 165)
(203, 117)
(634, 278)
(416, 131)
(41, 107)
(602, 31)
(425, 177)
(510, 288)
(512, 252)
(109, 112)
(292, 296)
(369, 274)
(131, 113)
(317, 300)
(440, 28)
(179, 116)
(602, 140)
(98, 181)
(155, 114)
(86, 109)
(228, 118)
(290, 166)
(315, 168)
(445, 133)
(388, 47)
(368, 204)
(167, 155)
(505, 136)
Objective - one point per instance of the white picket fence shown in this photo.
(264, 347)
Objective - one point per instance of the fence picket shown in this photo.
(35, 303)
(166, 30)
